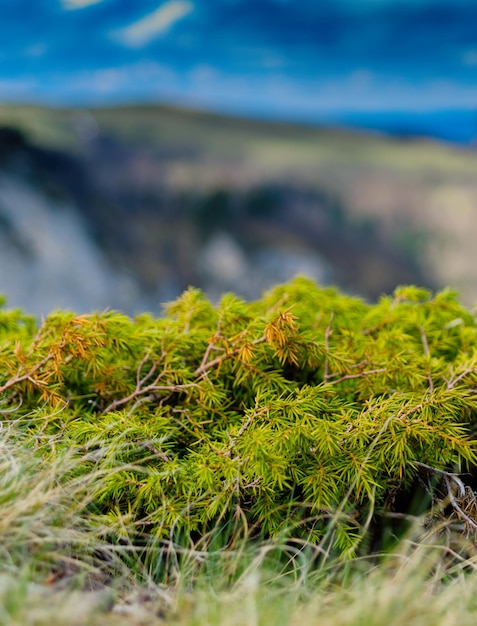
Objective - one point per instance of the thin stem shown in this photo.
(360, 375)
(453, 382)
(456, 506)
(28, 376)
(204, 366)
(425, 345)
(327, 346)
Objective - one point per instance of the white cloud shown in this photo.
(361, 79)
(154, 24)
(132, 82)
(71, 5)
(470, 57)
(203, 74)
(36, 50)
(17, 88)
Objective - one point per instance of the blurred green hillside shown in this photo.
(164, 188)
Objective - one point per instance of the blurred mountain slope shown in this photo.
(172, 197)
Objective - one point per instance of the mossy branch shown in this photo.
(307, 399)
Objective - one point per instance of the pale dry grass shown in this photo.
(57, 568)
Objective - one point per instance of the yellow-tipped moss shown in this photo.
(306, 410)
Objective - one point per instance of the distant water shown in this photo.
(456, 126)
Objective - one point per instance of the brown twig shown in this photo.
(244, 427)
(152, 448)
(211, 346)
(28, 376)
(448, 477)
(327, 346)
(139, 370)
(351, 367)
(152, 388)
(360, 375)
(427, 354)
(204, 366)
(435, 470)
(453, 382)
(469, 521)
(142, 390)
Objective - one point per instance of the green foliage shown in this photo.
(304, 412)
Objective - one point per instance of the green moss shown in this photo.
(303, 412)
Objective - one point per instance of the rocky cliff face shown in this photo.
(117, 225)
(48, 259)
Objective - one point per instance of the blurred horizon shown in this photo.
(404, 67)
(232, 144)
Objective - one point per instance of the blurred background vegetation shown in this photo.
(232, 144)
(142, 201)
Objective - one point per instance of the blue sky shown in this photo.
(305, 60)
